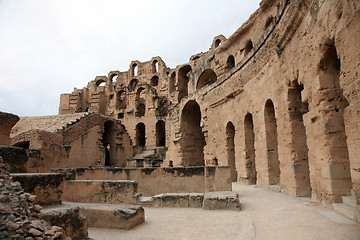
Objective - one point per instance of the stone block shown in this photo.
(69, 218)
(48, 187)
(221, 200)
(175, 200)
(335, 170)
(15, 159)
(196, 200)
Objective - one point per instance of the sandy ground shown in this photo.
(265, 215)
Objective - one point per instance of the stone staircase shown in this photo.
(347, 207)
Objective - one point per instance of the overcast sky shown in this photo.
(48, 47)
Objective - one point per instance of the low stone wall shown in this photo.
(46, 186)
(100, 191)
(211, 200)
(153, 181)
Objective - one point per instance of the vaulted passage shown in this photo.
(230, 149)
(140, 135)
(108, 141)
(160, 133)
(251, 173)
(192, 138)
(271, 143)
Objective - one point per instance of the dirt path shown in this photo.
(265, 215)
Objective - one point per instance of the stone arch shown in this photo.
(207, 77)
(331, 125)
(172, 82)
(22, 144)
(269, 20)
(134, 70)
(121, 100)
(140, 139)
(113, 77)
(230, 150)
(217, 43)
(248, 47)
(108, 141)
(160, 133)
(230, 63)
(154, 81)
(183, 80)
(140, 102)
(192, 138)
(249, 137)
(133, 84)
(271, 143)
(100, 83)
(155, 66)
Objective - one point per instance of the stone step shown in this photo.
(275, 188)
(345, 210)
(349, 201)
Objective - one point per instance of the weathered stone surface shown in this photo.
(122, 216)
(15, 158)
(47, 187)
(221, 200)
(70, 219)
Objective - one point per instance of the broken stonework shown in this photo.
(20, 218)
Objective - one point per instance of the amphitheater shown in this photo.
(274, 109)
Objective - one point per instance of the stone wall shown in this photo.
(7, 121)
(152, 181)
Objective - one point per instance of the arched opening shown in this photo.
(155, 66)
(140, 102)
(183, 80)
(268, 21)
(297, 109)
(154, 81)
(140, 135)
(24, 144)
(172, 83)
(206, 78)
(230, 149)
(108, 141)
(331, 122)
(134, 70)
(217, 43)
(230, 63)
(160, 133)
(249, 137)
(248, 47)
(192, 138)
(132, 85)
(272, 143)
(100, 83)
(113, 78)
(121, 100)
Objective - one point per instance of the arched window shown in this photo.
(248, 47)
(172, 82)
(183, 80)
(121, 100)
(268, 21)
(154, 81)
(132, 85)
(140, 102)
(206, 78)
(230, 63)
(140, 135)
(230, 149)
(155, 66)
(160, 133)
(217, 43)
(134, 70)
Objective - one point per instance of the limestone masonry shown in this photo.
(277, 104)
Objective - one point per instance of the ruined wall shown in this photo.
(152, 181)
(277, 101)
(7, 121)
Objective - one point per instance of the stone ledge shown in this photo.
(122, 216)
(211, 201)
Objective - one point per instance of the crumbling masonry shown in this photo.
(278, 102)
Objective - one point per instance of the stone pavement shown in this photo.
(264, 215)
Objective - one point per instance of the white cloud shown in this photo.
(50, 47)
